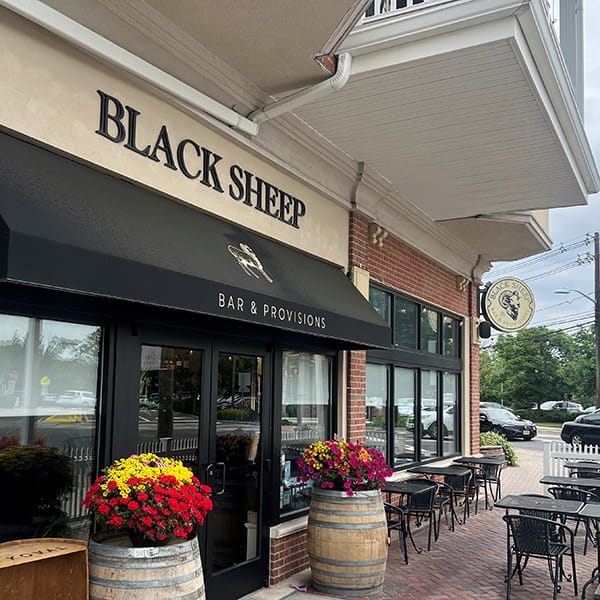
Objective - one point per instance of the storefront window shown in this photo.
(426, 347)
(429, 413)
(450, 335)
(451, 413)
(404, 416)
(429, 330)
(376, 403)
(405, 323)
(381, 302)
(48, 397)
(305, 418)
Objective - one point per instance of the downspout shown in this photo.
(100, 47)
(336, 82)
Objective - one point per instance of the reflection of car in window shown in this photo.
(430, 425)
(77, 398)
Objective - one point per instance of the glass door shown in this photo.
(169, 403)
(236, 558)
(205, 407)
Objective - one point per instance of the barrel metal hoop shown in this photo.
(348, 563)
(155, 564)
(330, 525)
(347, 513)
(195, 595)
(336, 574)
(145, 584)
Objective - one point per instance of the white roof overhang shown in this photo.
(466, 108)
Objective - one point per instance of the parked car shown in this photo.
(78, 398)
(584, 429)
(491, 405)
(568, 406)
(591, 409)
(505, 422)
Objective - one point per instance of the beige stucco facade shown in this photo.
(54, 99)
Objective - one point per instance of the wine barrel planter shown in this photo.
(493, 452)
(119, 571)
(347, 542)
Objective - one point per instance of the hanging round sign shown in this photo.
(508, 304)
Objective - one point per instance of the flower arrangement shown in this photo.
(149, 495)
(343, 466)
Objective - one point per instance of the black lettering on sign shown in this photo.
(118, 123)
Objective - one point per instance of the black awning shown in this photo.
(66, 226)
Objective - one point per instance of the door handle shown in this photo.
(210, 472)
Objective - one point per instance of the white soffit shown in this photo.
(502, 237)
(462, 120)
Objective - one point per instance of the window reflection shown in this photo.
(377, 394)
(404, 416)
(305, 409)
(169, 402)
(429, 413)
(48, 397)
(451, 413)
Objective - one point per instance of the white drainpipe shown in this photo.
(336, 82)
(100, 47)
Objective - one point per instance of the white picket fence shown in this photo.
(556, 453)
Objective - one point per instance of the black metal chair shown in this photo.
(421, 505)
(460, 486)
(488, 478)
(536, 537)
(580, 495)
(396, 521)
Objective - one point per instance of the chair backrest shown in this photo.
(424, 499)
(569, 493)
(585, 474)
(491, 472)
(459, 483)
(534, 535)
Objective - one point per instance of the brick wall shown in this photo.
(399, 267)
(402, 268)
(289, 555)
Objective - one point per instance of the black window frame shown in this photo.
(420, 360)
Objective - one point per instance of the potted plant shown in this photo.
(151, 507)
(347, 530)
(38, 477)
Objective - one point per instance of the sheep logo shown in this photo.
(249, 262)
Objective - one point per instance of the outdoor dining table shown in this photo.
(582, 465)
(480, 460)
(580, 482)
(406, 487)
(540, 503)
(543, 504)
(447, 471)
(592, 511)
(478, 464)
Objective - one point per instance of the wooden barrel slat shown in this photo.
(347, 542)
(121, 572)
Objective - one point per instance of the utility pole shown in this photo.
(597, 311)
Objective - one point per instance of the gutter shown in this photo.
(102, 48)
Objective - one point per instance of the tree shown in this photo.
(528, 367)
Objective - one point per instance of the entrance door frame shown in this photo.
(238, 580)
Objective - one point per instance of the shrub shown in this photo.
(495, 439)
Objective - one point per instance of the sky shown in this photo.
(570, 262)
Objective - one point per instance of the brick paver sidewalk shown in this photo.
(469, 563)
